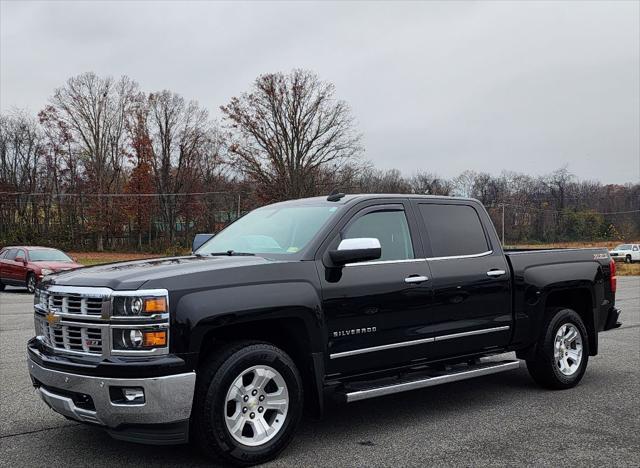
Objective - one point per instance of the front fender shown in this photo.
(198, 313)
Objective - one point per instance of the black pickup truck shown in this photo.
(305, 302)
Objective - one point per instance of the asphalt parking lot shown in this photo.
(503, 419)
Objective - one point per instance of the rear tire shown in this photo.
(1, 286)
(232, 419)
(31, 283)
(627, 259)
(562, 351)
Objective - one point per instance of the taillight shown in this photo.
(613, 280)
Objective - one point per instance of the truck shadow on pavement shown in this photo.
(362, 425)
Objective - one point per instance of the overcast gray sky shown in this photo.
(442, 87)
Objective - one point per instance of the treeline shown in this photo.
(107, 166)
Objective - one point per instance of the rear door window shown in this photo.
(453, 230)
(11, 255)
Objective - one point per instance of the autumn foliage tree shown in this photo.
(140, 182)
(287, 130)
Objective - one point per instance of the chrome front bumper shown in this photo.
(168, 399)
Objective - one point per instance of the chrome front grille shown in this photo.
(71, 303)
(80, 320)
(78, 338)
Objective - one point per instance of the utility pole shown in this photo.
(238, 206)
(502, 224)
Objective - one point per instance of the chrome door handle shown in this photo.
(415, 279)
(495, 272)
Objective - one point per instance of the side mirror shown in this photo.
(200, 239)
(360, 249)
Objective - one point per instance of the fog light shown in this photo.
(133, 394)
(127, 395)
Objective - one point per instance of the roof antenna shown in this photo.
(335, 195)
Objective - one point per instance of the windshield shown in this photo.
(276, 230)
(623, 247)
(48, 255)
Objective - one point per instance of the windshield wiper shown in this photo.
(232, 253)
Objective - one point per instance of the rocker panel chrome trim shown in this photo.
(431, 381)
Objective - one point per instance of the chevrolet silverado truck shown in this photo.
(307, 302)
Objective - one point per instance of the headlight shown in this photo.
(47, 271)
(140, 322)
(139, 306)
(131, 339)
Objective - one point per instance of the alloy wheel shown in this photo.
(256, 405)
(31, 284)
(568, 349)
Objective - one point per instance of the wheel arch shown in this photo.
(581, 301)
(291, 335)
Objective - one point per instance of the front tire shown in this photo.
(31, 283)
(248, 403)
(627, 259)
(562, 351)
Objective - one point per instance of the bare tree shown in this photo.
(181, 135)
(430, 184)
(558, 183)
(95, 109)
(21, 145)
(286, 130)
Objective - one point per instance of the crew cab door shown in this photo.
(470, 278)
(371, 308)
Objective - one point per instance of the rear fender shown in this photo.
(535, 292)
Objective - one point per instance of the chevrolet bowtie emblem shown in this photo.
(52, 319)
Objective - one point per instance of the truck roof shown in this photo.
(350, 198)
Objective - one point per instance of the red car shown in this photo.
(25, 266)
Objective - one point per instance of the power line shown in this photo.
(115, 195)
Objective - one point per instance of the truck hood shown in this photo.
(132, 275)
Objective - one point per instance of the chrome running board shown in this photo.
(477, 370)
